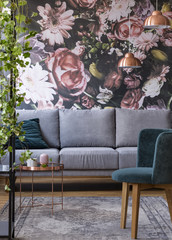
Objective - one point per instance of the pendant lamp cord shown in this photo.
(156, 5)
(129, 32)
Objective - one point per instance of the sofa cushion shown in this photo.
(127, 157)
(33, 137)
(130, 122)
(87, 128)
(89, 158)
(49, 124)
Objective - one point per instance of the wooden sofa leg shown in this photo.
(135, 209)
(169, 200)
(124, 205)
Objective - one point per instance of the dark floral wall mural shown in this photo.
(75, 53)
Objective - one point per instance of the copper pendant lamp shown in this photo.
(157, 20)
(129, 61)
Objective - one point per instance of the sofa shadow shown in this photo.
(46, 187)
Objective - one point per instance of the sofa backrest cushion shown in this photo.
(130, 122)
(87, 128)
(49, 124)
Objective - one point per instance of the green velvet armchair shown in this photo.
(153, 170)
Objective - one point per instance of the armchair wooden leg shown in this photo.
(135, 209)
(124, 205)
(169, 200)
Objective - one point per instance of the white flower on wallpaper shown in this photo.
(153, 86)
(35, 84)
(146, 41)
(120, 8)
(55, 23)
(104, 96)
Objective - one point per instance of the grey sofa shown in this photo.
(92, 142)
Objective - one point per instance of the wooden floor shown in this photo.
(77, 187)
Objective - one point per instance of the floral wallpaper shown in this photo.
(74, 56)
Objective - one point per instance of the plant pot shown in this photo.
(32, 162)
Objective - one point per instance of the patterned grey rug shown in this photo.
(91, 218)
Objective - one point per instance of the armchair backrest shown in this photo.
(162, 164)
(146, 146)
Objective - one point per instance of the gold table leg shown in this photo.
(62, 187)
(20, 188)
(32, 189)
(52, 188)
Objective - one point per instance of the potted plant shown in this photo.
(13, 60)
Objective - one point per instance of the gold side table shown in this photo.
(51, 167)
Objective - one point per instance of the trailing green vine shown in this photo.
(13, 54)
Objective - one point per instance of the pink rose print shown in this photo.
(82, 3)
(87, 102)
(121, 29)
(132, 81)
(166, 37)
(67, 73)
(113, 79)
(133, 99)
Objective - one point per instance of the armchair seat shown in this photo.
(133, 175)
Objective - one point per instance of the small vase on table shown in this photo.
(43, 159)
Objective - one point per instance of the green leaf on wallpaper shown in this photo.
(26, 55)
(20, 18)
(31, 34)
(159, 55)
(34, 14)
(20, 29)
(27, 46)
(93, 70)
(22, 2)
(13, 6)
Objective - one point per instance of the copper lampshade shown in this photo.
(157, 20)
(129, 61)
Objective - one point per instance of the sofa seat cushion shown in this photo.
(87, 128)
(52, 153)
(89, 158)
(49, 124)
(129, 123)
(127, 156)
